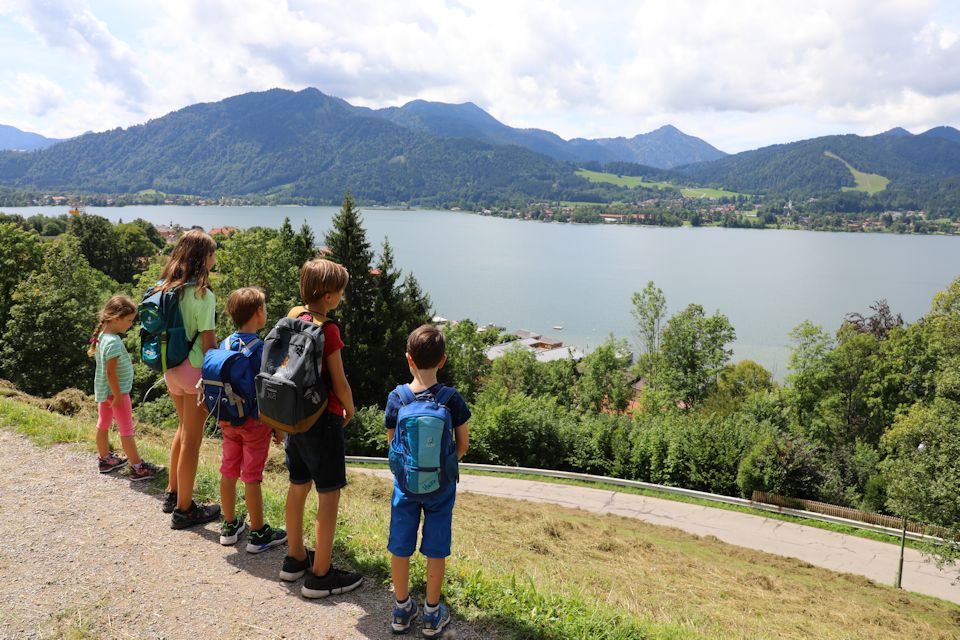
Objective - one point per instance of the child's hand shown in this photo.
(277, 437)
(116, 402)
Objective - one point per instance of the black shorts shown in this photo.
(317, 455)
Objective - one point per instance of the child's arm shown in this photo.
(208, 340)
(462, 434)
(113, 381)
(390, 433)
(340, 385)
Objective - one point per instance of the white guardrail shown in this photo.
(660, 488)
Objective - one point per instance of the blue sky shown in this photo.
(739, 73)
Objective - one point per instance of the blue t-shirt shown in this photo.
(459, 411)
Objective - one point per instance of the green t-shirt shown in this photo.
(110, 346)
(198, 315)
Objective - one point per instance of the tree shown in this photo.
(784, 464)
(810, 369)
(98, 241)
(44, 346)
(649, 310)
(21, 253)
(603, 383)
(466, 358)
(694, 349)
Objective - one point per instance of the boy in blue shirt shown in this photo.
(425, 356)
(245, 448)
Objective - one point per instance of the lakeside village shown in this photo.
(738, 211)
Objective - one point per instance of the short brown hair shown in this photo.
(426, 346)
(319, 277)
(244, 303)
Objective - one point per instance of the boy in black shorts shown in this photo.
(317, 455)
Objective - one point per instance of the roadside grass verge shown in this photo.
(541, 571)
(827, 526)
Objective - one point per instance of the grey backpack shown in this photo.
(291, 393)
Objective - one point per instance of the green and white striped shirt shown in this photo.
(110, 346)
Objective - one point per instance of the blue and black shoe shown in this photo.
(403, 615)
(436, 621)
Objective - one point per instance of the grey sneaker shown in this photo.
(196, 514)
(264, 538)
(230, 531)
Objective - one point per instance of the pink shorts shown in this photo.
(122, 414)
(182, 379)
(245, 450)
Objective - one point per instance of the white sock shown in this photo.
(430, 608)
(406, 604)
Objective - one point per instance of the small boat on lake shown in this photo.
(558, 327)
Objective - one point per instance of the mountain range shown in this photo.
(308, 146)
(15, 139)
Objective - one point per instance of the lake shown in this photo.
(530, 275)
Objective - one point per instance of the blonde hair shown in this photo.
(189, 262)
(319, 277)
(243, 303)
(116, 307)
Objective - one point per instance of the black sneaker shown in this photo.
(334, 583)
(230, 531)
(264, 538)
(169, 501)
(294, 569)
(196, 514)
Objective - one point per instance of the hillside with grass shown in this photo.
(865, 182)
(548, 572)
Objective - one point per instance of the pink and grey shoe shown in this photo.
(145, 471)
(111, 463)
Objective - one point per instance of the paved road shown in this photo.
(827, 549)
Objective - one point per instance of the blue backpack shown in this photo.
(163, 338)
(227, 381)
(423, 454)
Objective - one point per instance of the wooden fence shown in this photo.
(893, 522)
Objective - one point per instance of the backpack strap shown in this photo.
(444, 395)
(406, 395)
(248, 348)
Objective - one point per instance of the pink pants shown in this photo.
(123, 414)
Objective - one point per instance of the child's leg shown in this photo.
(435, 569)
(400, 572)
(104, 420)
(124, 417)
(329, 502)
(253, 498)
(190, 439)
(228, 498)
(293, 511)
(175, 445)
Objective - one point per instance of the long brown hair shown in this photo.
(116, 307)
(189, 262)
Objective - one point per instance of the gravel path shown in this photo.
(86, 555)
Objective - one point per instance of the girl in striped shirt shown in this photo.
(112, 384)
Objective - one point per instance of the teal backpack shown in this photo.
(163, 339)
(423, 453)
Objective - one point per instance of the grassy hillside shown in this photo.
(542, 571)
(866, 182)
(638, 181)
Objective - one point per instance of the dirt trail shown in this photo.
(90, 556)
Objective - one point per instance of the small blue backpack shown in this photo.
(227, 381)
(423, 453)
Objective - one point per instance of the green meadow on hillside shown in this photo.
(541, 571)
(638, 181)
(867, 182)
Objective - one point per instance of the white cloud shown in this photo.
(748, 71)
(33, 94)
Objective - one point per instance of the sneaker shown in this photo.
(111, 463)
(146, 471)
(403, 615)
(169, 501)
(230, 531)
(196, 514)
(434, 623)
(264, 538)
(294, 569)
(334, 583)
